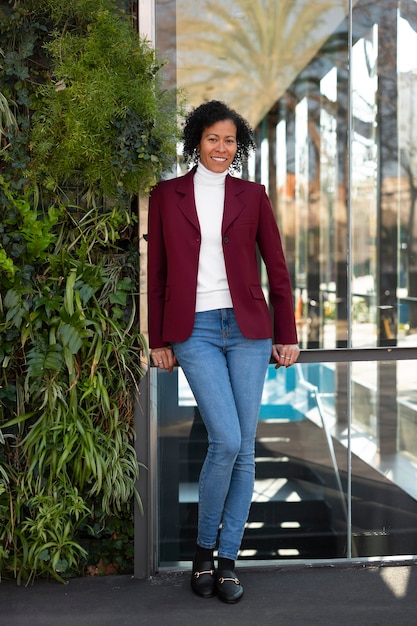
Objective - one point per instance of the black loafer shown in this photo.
(203, 581)
(228, 586)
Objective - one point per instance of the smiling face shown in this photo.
(218, 146)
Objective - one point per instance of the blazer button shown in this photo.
(226, 239)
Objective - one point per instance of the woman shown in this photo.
(208, 312)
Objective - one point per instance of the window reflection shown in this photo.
(249, 52)
(324, 312)
(299, 507)
(364, 295)
(284, 66)
(337, 151)
(364, 191)
(407, 191)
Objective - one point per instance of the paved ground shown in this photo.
(291, 596)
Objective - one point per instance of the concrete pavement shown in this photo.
(346, 594)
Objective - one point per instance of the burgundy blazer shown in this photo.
(174, 245)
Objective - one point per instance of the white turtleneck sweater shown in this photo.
(212, 286)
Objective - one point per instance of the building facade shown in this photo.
(330, 88)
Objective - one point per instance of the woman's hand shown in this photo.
(164, 358)
(285, 355)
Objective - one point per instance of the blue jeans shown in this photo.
(226, 373)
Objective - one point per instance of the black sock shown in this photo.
(203, 554)
(228, 564)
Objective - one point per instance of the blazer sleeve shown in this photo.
(157, 271)
(280, 289)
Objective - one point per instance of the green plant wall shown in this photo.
(85, 128)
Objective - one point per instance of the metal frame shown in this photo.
(145, 511)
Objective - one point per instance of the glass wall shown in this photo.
(341, 151)
(330, 88)
(333, 103)
(308, 459)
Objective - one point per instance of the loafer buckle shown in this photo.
(208, 571)
(222, 580)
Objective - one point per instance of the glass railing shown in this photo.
(335, 456)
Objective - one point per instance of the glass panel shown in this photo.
(299, 504)
(309, 189)
(406, 194)
(303, 88)
(301, 198)
(384, 463)
(299, 508)
(364, 188)
(249, 52)
(285, 66)
(323, 302)
(373, 284)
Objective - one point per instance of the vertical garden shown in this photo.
(85, 128)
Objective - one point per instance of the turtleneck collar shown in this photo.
(204, 176)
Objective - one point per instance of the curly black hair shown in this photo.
(208, 114)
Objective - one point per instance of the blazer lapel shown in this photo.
(233, 201)
(185, 198)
